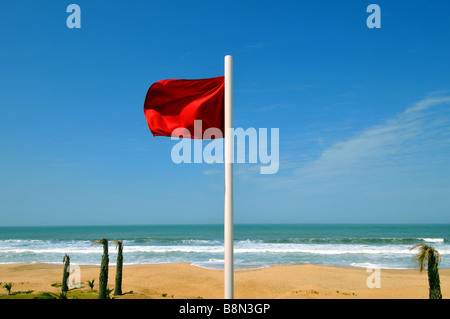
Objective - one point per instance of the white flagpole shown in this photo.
(229, 154)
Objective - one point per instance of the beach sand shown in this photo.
(182, 280)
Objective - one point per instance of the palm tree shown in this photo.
(103, 280)
(430, 255)
(64, 286)
(118, 286)
(8, 287)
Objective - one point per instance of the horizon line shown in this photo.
(221, 224)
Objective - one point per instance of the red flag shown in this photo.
(172, 104)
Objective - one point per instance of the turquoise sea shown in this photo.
(255, 246)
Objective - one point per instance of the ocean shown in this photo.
(255, 246)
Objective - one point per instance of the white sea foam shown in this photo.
(357, 252)
(373, 266)
(240, 248)
(200, 241)
(433, 240)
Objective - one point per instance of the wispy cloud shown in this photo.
(381, 143)
(409, 146)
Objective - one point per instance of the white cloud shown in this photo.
(427, 103)
(409, 147)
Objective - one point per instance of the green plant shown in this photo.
(45, 295)
(28, 292)
(91, 284)
(8, 287)
(108, 292)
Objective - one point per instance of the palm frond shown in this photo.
(424, 254)
(415, 246)
(119, 243)
(91, 283)
(437, 256)
(421, 256)
(102, 241)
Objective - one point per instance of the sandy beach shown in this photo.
(182, 280)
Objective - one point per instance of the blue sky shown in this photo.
(363, 113)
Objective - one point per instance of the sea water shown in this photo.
(255, 246)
